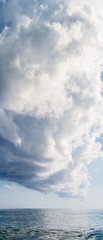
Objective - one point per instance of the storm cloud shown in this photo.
(51, 103)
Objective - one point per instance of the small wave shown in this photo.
(40, 234)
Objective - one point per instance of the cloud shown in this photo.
(10, 187)
(50, 94)
(3, 1)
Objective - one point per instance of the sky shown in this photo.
(51, 104)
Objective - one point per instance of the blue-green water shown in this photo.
(46, 224)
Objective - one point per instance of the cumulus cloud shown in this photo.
(50, 93)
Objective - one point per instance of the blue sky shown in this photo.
(51, 104)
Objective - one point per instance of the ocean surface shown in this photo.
(51, 224)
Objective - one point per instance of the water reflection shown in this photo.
(51, 224)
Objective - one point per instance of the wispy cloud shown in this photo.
(51, 106)
(10, 187)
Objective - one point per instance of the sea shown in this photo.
(51, 224)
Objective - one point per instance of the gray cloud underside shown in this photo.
(50, 93)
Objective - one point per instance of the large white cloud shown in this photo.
(50, 93)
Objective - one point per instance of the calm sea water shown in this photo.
(46, 224)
